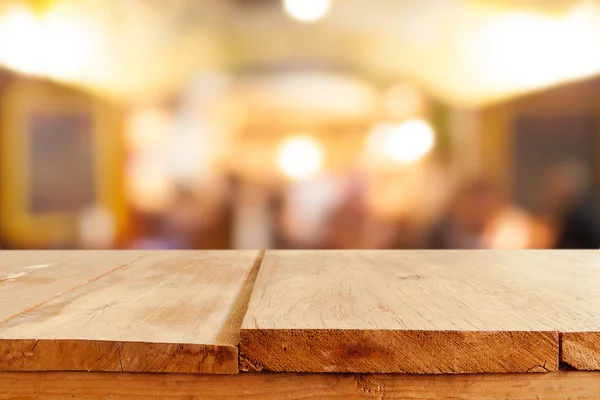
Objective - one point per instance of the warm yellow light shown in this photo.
(307, 10)
(521, 49)
(56, 44)
(149, 186)
(69, 43)
(299, 157)
(19, 36)
(148, 129)
(509, 230)
(149, 182)
(403, 101)
(403, 143)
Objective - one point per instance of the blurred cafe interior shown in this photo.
(322, 124)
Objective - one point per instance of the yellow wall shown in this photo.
(18, 225)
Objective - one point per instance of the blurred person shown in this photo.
(400, 232)
(181, 222)
(306, 210)
(347, 222)
(463, 225)
(542, 233)
(570, 201)
(481, 218)
(381, 233)
(150, 236)
(253, 218)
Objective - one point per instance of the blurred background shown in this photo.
(232, 124)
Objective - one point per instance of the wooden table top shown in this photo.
(218, 312)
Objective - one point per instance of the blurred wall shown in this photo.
(565, 121)
(61, 167)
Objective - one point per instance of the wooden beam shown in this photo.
(272, 386)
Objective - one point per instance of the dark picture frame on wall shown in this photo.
(60, 152)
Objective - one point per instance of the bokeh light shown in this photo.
(56, 44)
(149, 185)
(299, 157)
(19, 33)
(402, 143)
(307, 10)
(241, 138)
(524, 49)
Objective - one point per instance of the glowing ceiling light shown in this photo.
(403, 143)
(307, 10)
(299, 157)
(57, 44)
(410, 141)
(19, 36)
(68, 43)
(525, 50)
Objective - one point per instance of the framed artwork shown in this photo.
(60, 152)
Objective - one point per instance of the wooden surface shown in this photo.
(565, 285)
(429, 312)
(570, 281)
(270, 386)
(30, 278)
(419, 311)
(581, 350)
(166, 312)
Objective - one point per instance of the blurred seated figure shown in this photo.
(346, 222)
(572, 206)
(463, 224)
(479, 218)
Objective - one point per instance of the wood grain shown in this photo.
(581, 350)
(409, 311)
(270, 386)
(171, 311)
(30, 278)
(566, 286)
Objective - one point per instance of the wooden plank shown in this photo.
(270, 386)
(30, 278)
(581, 350)
(571, 281)
(566, 284)
(402, 311)
(171, 311)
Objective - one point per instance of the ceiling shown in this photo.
(466, 52)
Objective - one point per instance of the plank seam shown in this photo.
(240, 305)
(242, 302)
(564, 365)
